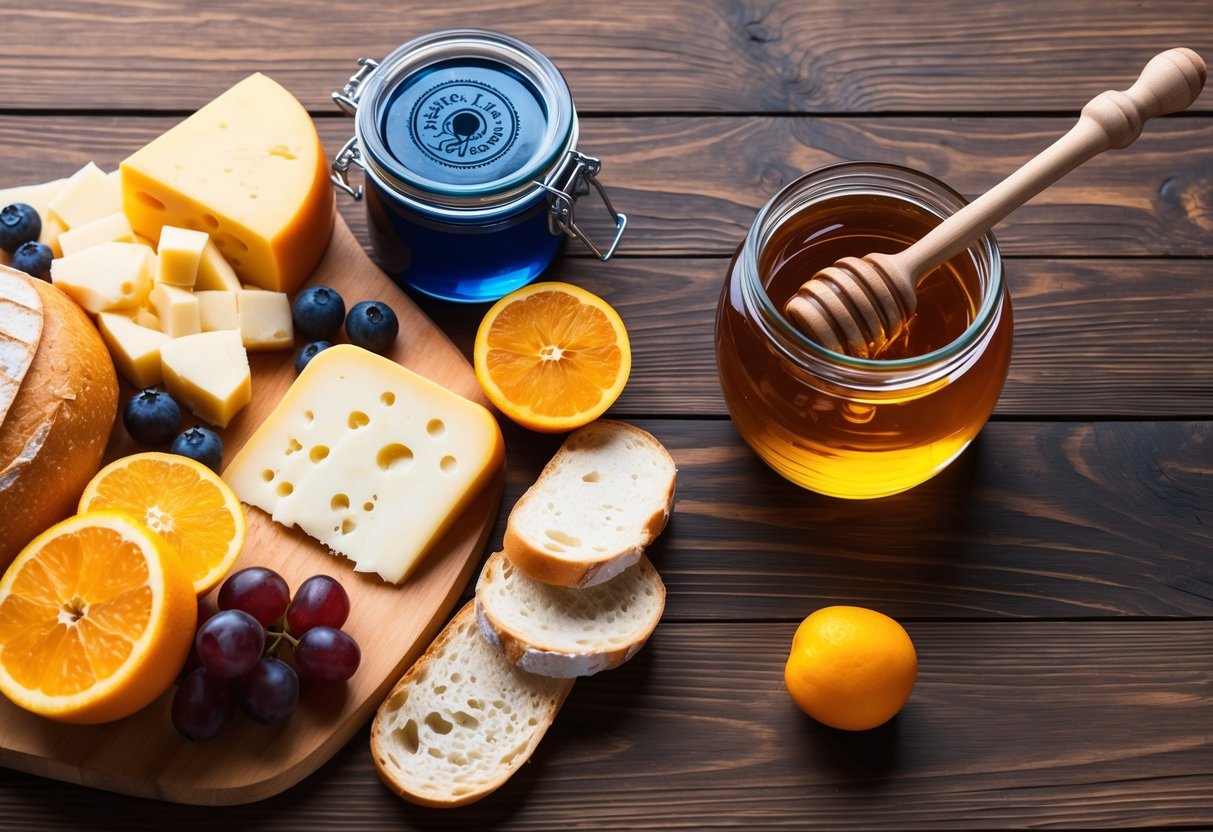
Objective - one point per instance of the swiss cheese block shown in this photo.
(265, 320)
(106, 277)
(369, 458)
(112, 228)
(209, 373)
(248, 168)
(135, 349)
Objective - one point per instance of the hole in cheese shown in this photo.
(149, 200)
(267, 475)
(368, 506)
(435, 428)
(285, 489)
(358, 419)
(394, 457)
(448, 464)
(387, 399)
(126, 288)
(348, 526)
(593, 476)
(319, 453)
(210, 221)
(340, 502)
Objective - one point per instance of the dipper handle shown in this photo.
(1170, 82)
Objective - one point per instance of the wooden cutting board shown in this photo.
(143, 755)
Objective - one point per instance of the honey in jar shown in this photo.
(852, 427)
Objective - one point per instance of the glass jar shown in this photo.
(469, 142)
(852, 427)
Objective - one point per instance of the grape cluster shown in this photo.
(235, 660)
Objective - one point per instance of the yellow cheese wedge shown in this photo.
(180, 252)
(106, 277)
(177, 310)
(209, 373)
(112, 228)
(214, 272)
(249, 169)
(369, 458)
(88, 195)
(20, 333)
(135, 349)
(217, 309)
(265, 320)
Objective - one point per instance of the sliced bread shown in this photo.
(563, 631)
(597, 504)
(462, 720)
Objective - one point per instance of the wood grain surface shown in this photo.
(1057, 580)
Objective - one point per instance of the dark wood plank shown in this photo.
(1011, 725)
(626, 56)
(691, 186)
(1036, 519)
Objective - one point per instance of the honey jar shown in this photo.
(853, 427)
(469, 143)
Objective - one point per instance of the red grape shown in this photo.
(269, 692)
(202, 704)
(230, 643)
(326, 654)
(319, 602)
(260, 592)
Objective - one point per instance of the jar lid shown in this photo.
(465, 117)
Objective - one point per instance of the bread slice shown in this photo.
(563, 631)
(597, 504)
(462, 720)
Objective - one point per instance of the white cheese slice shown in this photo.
(369, 458)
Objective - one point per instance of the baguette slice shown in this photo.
(462, 720)
(597, 504)
(563, 631)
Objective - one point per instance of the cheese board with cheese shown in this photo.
(142, 754)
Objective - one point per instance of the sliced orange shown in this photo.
(96, 619)
(552, 356)
(183, 501)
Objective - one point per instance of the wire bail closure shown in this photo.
(571, 181)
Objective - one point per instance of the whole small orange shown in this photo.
(850, 667)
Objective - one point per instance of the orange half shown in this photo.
(552, 356)
(96, 619)
(181, 500)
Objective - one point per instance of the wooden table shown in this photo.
(1057, 580)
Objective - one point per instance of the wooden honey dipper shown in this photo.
(858, 305)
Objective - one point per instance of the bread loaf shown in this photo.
(54, 434)
(564, 631)
(462, 720)
(597, 504)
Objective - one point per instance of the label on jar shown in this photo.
(463, 123)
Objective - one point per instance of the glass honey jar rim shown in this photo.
(517, 183)
(868, 178)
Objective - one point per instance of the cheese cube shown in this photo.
(218, 310)
(112, 228)
(180, 252)
(214, 272)
(177, 310)
(249, 169)
(369, 458)
(88, 195)
(209, 374)
(265, 320)
(135, 349)
(107, 277)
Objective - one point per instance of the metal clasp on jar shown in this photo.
(571, 180)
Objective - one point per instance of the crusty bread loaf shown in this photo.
(55, 432)
(462, 720)
(597, 504)
(564, 631)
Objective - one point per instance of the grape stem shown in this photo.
(278, 636)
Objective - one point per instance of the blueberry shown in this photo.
(309, 352)
(317, 313)
(151, 417)
(200, 444)
(372, 325)
(34, 259)
(19, 223)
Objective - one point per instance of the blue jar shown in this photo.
(468, 139)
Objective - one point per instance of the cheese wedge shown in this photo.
(112, 228)
(107, 277)
(134, 349)
(20, 332)
(214, 272)
(369, 458)
(249, 169)
(88, 195)
(209, 373)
